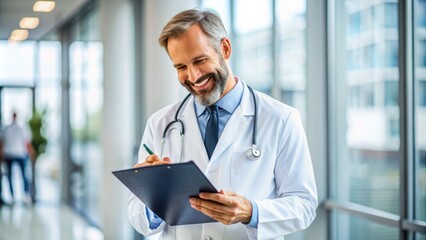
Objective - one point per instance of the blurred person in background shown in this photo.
(16, 146)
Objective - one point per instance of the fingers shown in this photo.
(160, 162)
(141, 164)
(225, 207)
(223, 197)
(217, 215)
(213, 210)
(153, 160)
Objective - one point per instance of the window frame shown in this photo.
(404, 221)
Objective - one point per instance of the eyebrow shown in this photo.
(193, 59)
(177, 65)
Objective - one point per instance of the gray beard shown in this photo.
(212, 97)
(219, 78)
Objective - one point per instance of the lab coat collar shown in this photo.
(193, 136)
(247, 103)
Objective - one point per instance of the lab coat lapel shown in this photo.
(194, 144)
(230, 133)
(239, 120)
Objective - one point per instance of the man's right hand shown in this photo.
(153, 160)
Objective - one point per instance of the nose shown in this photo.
(193, 74)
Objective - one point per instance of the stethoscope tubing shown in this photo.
(182, 125)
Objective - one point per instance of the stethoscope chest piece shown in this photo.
(253, 153)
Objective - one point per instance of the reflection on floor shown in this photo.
(44, 222)
(47, 219)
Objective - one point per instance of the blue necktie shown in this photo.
(212, 129)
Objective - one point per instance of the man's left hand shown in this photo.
(225, 207)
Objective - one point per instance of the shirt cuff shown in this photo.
(153, 219)
(254, 215)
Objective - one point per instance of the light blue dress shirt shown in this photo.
(227, 105)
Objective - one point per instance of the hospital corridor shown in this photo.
(212, 119)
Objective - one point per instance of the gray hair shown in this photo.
(207, 19)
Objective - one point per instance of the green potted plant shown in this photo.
(38, 142)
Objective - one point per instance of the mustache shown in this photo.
(200, 79)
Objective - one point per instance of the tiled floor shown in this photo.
(44, 222)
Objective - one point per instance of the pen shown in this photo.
(147, 149)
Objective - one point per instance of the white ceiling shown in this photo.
(12, 11)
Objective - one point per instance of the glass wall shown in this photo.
(365, 119)
(17, 64)
(420, 109)
(353, 227)
(253, 43)
(86, 101)
(17, 80)
(366, 164)
(269, 46)
(30, 77)
(9, 104)
(291, 57)
(48, 97)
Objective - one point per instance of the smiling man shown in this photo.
(201, 67)
(249, 145)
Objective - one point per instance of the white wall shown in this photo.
(118, 112)
(161, 83)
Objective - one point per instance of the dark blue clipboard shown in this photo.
(165, 189)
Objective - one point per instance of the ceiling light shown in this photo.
(44, 6)
(15, 39)
(29, 22)
(19, 35)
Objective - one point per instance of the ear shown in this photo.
(226, 48)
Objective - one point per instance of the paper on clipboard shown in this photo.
(165, 189)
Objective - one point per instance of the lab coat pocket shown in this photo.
(244, 172)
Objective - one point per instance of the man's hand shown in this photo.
(225, 207)
(153, 160)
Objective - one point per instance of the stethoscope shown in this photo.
(252, 153)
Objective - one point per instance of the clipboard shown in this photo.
(165, 189)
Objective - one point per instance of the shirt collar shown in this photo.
(229, 102)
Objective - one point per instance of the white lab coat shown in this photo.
(281, 182)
